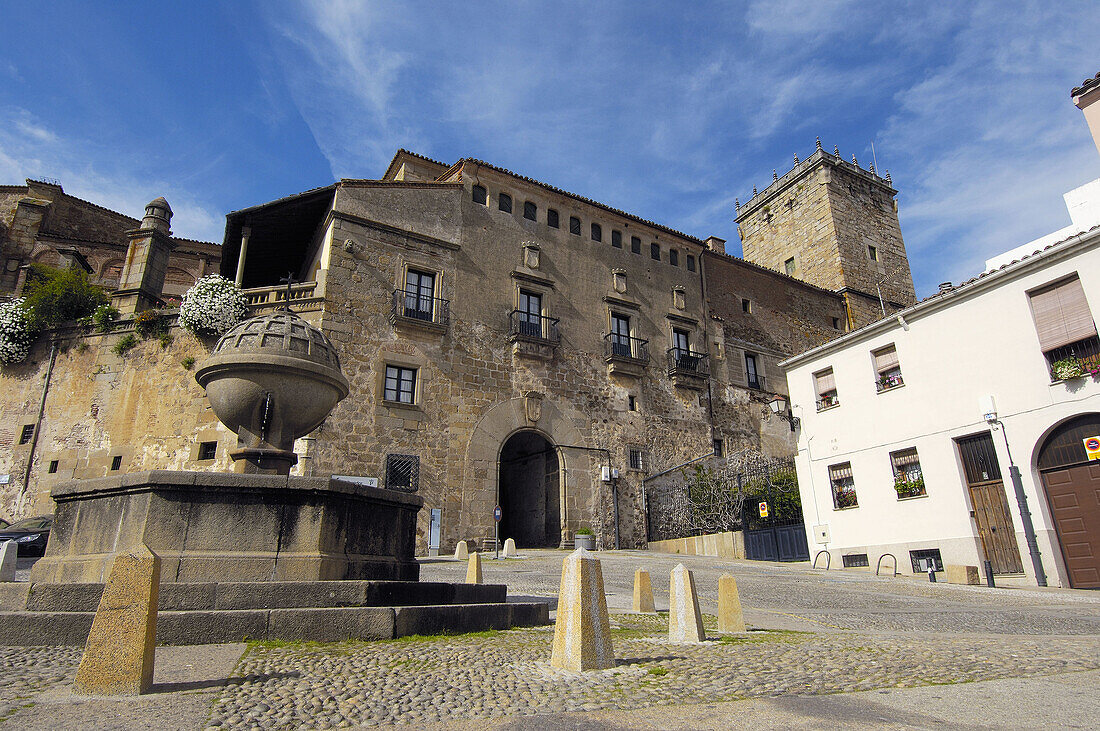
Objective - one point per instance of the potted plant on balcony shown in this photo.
(906, 487)
(845, 497)
(584, 538)
(1067, 368)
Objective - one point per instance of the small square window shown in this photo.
(530, 211)
(719, 447)
(551, 218)
(53, 467)
(574, 225)
(208, 450)
(746, 305)
(116, 463)
(402, 472)
(836, 323)
(655, 251)
(597, 232)
(674, 257)
(872, 253)
(27, 434)
(925, 558)
(788, 267)
(635, 245)
(400, 385)
(637, 459)
(504, 202)
(480, 195)
(691, 262)
(632, 402)
(855, 560)
(617, 239)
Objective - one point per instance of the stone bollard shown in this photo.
(462, 551)
(643, 593)
(962, 575)
(9, 555)
(473, 569)
(582, 630)
(730, 616)
(685, 622)
(509, 548)
(118, 657)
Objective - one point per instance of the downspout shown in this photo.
(38, 423)
(706, 338)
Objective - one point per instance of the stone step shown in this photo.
(257, 595)
(319, 624)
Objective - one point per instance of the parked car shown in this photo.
(30, 535)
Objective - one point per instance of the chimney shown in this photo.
(715, 244)
(1085, 97)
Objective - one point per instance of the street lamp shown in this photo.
(782, 408)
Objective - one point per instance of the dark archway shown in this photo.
(529, 491)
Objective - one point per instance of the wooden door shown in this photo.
(990, 506)
(1074, 495)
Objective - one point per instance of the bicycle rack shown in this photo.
(879, 564)
(828, 559)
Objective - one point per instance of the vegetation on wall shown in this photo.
(212, 306)
(56, 296)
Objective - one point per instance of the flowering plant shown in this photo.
(16, 334)
(212, 306)
(1067, 368)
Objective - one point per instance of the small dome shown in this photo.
(159, 202)
(279, 333)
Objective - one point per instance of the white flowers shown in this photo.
(16, 335)
(212, 306)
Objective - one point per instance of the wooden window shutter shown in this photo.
(886, 359)
(825, 382)
(1062, 314)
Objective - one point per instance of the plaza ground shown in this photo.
(827, 649)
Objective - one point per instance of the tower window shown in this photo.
(53, 467)
(574, 225)
(480, 196)
(632, 402)
(691, 262)
(208, 450)
(674, 257)
(746, 305)
(872, 253)
(116, 463)
(617, 239)
(836, 323)
(504, 202)
(597, 232)
(27, 434)
(551, 218)
(718, 447)
(788, 267)
(635, 245)
(530, 210)
(655, 251)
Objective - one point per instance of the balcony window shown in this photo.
(551, 218)
(908, 479)
(887, 368)
(530, 211)
(504, 202)
(622, 346)
(1067, 332)
(843, 486)
(753, 377)
(419, 295)
(528, 321)
(400, 385)
(825, 383)
(682, 360)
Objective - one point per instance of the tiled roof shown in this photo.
(410, 153)
(1086, 85)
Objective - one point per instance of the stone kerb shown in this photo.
(118, 657)
(731, 618)
(8, 557)
(582, 629)
(473, 569)
(643, 593)
(685, 621)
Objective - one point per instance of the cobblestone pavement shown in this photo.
(27, 671)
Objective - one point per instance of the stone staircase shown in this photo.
(322, 611)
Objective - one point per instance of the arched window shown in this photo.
(480, 196)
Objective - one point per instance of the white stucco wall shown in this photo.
(978, 340)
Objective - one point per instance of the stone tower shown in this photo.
(833, 224)
(142, 277)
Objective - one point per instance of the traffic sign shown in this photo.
(763, 510)
(497, 514)
(1092, 447)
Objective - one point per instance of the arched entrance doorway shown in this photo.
(529, 491)
(1072, 485)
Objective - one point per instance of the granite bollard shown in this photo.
(462, 551)
(582, 630)
(966, 575)
(509, 549)
(473, 569)
(118, 657)
(643, 593)
(731, 618)
(685, 622)
(9, 555)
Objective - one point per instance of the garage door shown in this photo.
(1074, 495)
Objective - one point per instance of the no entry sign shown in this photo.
(763, 510)
(1092, 447)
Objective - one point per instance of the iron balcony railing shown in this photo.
(626, 347)
(888, 381)
(687, 362)
(1074, 360)
(757, 381)
(827, 401)
(410, 306)
(529, 326)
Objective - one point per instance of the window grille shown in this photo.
(504, 202)
(574, 225)
(924, 558)
(690, 263)
(480, 195)
(655, 251)
(617, 239)
(908, 479)
(635, 245)
(53, 467)
(719, 447)
(530, 211)
(597, 232)
(116, 463)
(637, 459)
(208, 450)
(403, 472)
(551, 218)
(843, 485)
(27, 434)
(855, 560)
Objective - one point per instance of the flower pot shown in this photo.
(585, 541)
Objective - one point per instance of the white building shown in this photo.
(911, 426)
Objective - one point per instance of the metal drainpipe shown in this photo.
(38, 424)
(1025, 513)
(706, 338)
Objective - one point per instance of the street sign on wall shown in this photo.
(763, 510)
(1092, 447)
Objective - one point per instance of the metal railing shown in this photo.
(687, 362)
(413, 307)
(1084, 353)
(885, 383)
(626, 347)
(827, 402)
(529, 326)
(757, 381)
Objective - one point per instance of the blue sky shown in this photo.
(667, 110)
